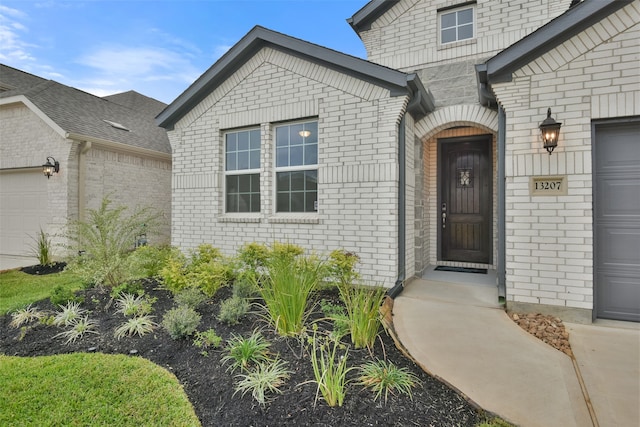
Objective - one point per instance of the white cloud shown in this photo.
(13, 48)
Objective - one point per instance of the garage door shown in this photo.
(617, 220)
(23, 210)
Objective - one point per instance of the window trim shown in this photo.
(299, 168)
(237, 172)
(457, 8)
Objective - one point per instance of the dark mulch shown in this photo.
(41, 269)
(211, 388)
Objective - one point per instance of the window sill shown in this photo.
(294, 219)
(457, 44)
(241, 218)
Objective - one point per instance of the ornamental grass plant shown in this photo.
(329, 369)
(362, 304)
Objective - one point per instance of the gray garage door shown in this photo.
(23, 210)
(617, 220)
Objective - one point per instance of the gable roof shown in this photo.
(81, 115)
(575, 20)
(398, 82)
(362, 19)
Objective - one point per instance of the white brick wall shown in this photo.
(357, 171)
(550, 239)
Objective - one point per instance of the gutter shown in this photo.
(399, 285)
(501, 184)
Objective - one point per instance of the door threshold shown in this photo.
(464, 278)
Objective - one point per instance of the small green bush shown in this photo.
(245, 285)
(134, 306)
(253, 255)
(210, 276)
(266, 377)
(204, 254)
(385, 377)
(207, 339)
(181, 322)
(140, 325)
(190, 297)
(148, 261)
(61, 295)
(126, 288)
(79, 327)
(174, 272)
(69, 312)
(245, 352)
(286, 250)
(341, 265)
(232, 310)
(338, 316)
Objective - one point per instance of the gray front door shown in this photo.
(617, 220)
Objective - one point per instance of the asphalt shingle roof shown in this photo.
(81, 113)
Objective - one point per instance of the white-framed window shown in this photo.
(242, 171)
(457, 24)
(296, 167)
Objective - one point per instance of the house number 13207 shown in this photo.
(548, 185)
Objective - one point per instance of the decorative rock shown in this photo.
(133, 351)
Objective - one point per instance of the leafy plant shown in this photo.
(385, 377)
(133, 306)
(204, 254)
(244, 352)
(287, 288)
(362, 304)
(149, 260)
(133, 287)
(253, 255)
(288, 251)
(79, 327)
(190, 297)
(341, 265)
(181, 322)
(174, 272)
(232, 310)
(210, 276)
(338, 316)
(245, 285)
(70, 312)
(41, 248)
(61, 295)
(329, 369)
(267, 377)
(104, 242)
(207, 339)
(140, 325)
(25, 315)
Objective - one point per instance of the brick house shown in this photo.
(429, 153)
(104, 146)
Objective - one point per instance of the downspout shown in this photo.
(402, 171)
(85, 146)
(501, 262)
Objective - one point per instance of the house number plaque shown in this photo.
(548, 185)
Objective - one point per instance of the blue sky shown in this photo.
(155, 47)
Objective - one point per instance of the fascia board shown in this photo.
(362, 19)
(118, 147)
(21, 99)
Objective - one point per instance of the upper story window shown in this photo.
(297, 167)
(242, 171)
(457, 24)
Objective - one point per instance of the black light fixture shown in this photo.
(550, 130)
(50, 168)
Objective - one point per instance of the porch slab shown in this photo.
(460, 334)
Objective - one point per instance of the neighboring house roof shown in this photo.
(398, 82)
(126, 118)
(575, 20)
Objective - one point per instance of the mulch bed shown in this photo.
(210, 387)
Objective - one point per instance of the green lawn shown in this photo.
(83, 389)
(18, 289)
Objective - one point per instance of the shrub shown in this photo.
(288, 251)
(253, 255)
(207, 339)
(134, 306)
(245, 285)
(204, 254)
(244, 352)
(126, 288)
(181, 322)
(140, 325)
(70, 312)
(61, 295)
(329, 369)
(148, 261)
(266, 377)
(174, 272)
(232, 310)
(210, 276)
(25, 315)
(286, 290)
(190, 297)
(41, 248)
(341, 265)
(363, 310)
(385, 377)
(79, 327)
(105, 240)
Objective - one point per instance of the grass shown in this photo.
(17, 289)
(90, 389)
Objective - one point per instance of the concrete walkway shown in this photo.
(460, 334)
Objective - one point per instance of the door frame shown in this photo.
(481, 138)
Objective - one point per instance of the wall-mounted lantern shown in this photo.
(52, 166)
(550, 130)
